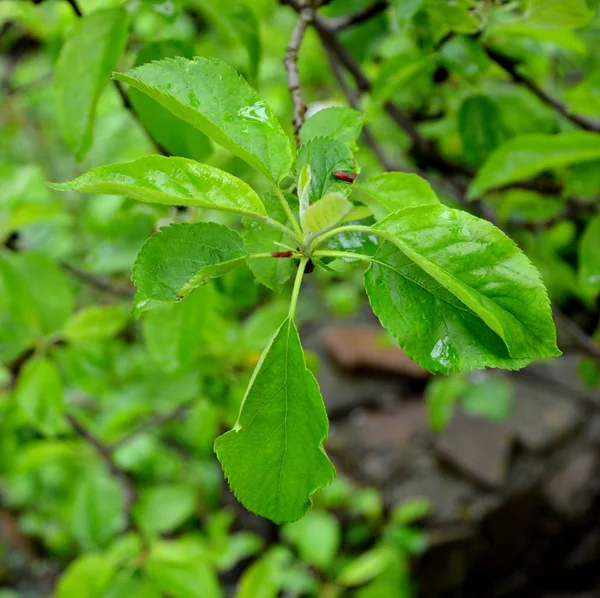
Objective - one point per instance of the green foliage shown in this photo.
(337, 123)
(589, 257)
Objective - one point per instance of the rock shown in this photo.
(572, 490)
(354, 347)
(541, 419)
(477, 448)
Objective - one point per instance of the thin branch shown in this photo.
(508, 65)
(105, 453)
(358, 17)
(584, 342)
(305, 16)
(76, 8)
(97, 282)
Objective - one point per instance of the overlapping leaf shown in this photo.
(338, 123)
(273, 457)
(211, 96)
(458, 294)
(182, 257)
(170, 181)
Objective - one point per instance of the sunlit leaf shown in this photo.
(339, 123)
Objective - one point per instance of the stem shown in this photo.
(344, 255)
(297, 285)
(346, 229)
(253, 256)
(286, 208)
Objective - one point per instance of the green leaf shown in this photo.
(162, 509)
(442, 394)
(464, 55)
(557, 14)
(179, 258)
(211, 96)
(95, 323)
(480, 128)
(458, 294)
(326, 213)
(172, 133)
(396, 190)
(455, 15)
(273, 457)
(490, 396)
(403, 11)
(318, 161)
(260, 237)
(528, 155)
(86, 61)
(589, 257)
(169, 181)
(89, 576)
(181, 571)
(317, 537)
(261, 580)
(338, 123)
(39, 393)
(367, 566)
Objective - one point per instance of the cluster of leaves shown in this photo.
(130, 410)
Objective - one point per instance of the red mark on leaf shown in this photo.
(348, 177)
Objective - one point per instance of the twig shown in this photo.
(76, 8)
(305, 16)
(96, 282)
(360, 16)
(584, 342)
(105, 453)
(508, 65)
(153, 422)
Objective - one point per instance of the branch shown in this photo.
(76, 8)
(508, 65)
(360, 16)
(96, 282)
(584, 342)
(305, 16)
(105, 453)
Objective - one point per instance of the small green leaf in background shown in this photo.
(260, 237)
(262, 579)
(97, 515)
(326, 213)
(463, 55)
(322, 158)
(180, 569)
(403, 11)
(480, 128)
(589, 371)
(95, 323)
(181, 257)
(89, 576)
(162, 509)
(87, 58)
(455, 16)
(338, 122)
(396, 190)
(589, 257)
(172, 133)
(366, 567)
(317, 538)
(528, 155)
(273, 457)
(39, 393)
(441, 395)
(557, 14)
(169, 181)
(488, 396)
(452, 282)
(221, 104)
(398, 72)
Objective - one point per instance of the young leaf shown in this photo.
(458, 294)
(557, 14)
(273, 457)
(528, 155)
(589, 257)
(211, 96)
(326, 213)
(94, 323)
(179, 258)
(39, 393)
(321, 158)
(396, 190)
(89, 576)
(338, 123)
(86, 61)
(169, 181)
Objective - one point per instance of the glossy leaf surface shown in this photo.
(182, 257)
(458, 294)
(338, 123)
(211, 96)
(169, 181)
(87, 58)
(273, 457)
(528, 155)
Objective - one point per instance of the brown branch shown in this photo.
(76, 8)
(97, 282)
(358, 17)
(305, 16)
(105, 453)
(508, 65)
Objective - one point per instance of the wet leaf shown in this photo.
(339, 123)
